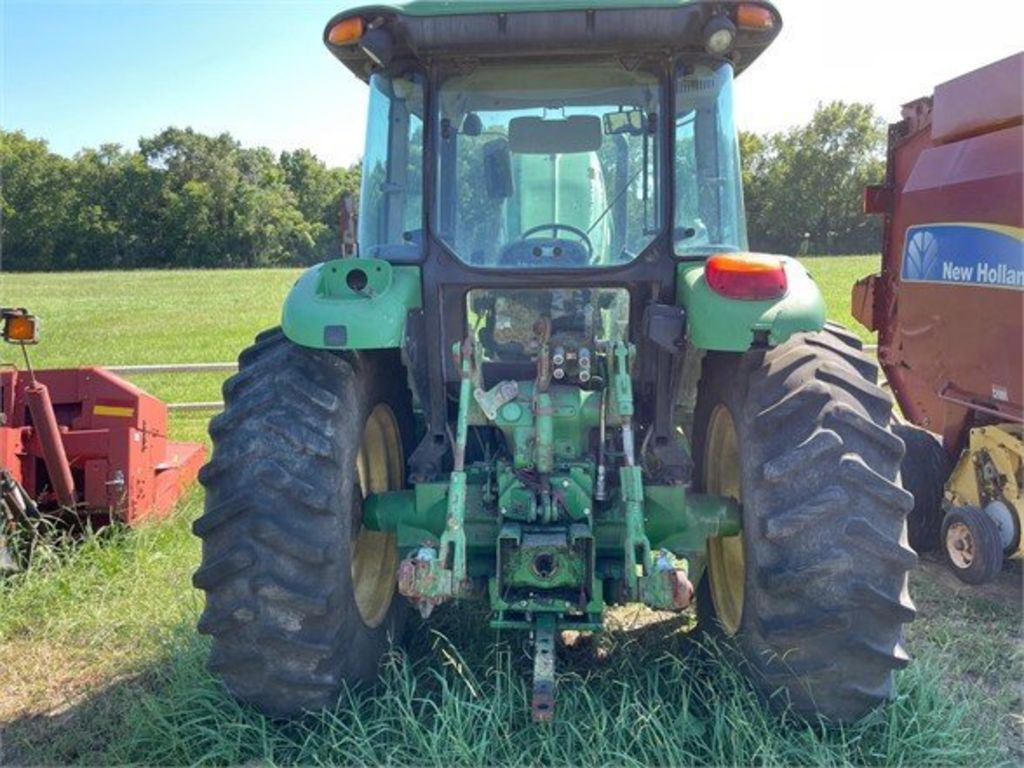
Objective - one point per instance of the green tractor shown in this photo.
(547, 374)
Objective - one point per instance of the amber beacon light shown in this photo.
(347, 32)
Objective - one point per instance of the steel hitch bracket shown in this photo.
(428, 578)
(545, 627)
(660, 582)
(638, 560)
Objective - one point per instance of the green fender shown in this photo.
(351, 304)
(717, 323)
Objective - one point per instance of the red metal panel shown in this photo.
(984, 100)
(115, 437)
(10, 433)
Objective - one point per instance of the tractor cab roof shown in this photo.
(368, 37)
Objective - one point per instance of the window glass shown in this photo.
(708, 183)
(551, 166)
(510, 325)
(391, 199)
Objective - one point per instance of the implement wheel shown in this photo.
(299, 599)
(972, 545)
(814, 591)
(924, 471)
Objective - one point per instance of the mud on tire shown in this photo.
(825, 541)
(281, 518)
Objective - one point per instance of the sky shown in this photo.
(80, 73)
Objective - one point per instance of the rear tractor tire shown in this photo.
(299, 600)
(814, 592)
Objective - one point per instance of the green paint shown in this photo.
(387, 511)
(515, 501)
(574, 413)
(622, 383)
(453, 540)
(544, 443)
(673, 519)
(682, 522)
(575, 491)
(372, 317)
(728, 325)
(635, 543)
(545, 569)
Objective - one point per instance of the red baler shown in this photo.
(948, 307)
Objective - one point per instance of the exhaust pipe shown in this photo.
(56, 460)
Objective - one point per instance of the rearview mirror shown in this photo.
(536, 136)
(632, 122)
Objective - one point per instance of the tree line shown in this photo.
(187, 200)
(182, 200)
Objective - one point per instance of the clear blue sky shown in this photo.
(82, 72)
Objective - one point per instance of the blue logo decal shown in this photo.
(966, 254)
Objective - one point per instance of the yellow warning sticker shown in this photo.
(113, 410)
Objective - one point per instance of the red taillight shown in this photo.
(746, 276)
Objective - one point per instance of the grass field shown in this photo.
(100, 664)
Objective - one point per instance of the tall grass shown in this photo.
(120, 611)
(644, 706)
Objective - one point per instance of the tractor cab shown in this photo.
(546, 169)
(567, 146)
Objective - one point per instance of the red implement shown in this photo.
(948, 305)
(112, 434)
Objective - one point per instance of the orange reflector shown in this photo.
(20, 328)
(346, 32)
(754, 17)
(746, 276)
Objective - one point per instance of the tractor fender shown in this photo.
(352, 304)
(721, 324)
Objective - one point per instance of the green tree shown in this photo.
(805, 186)
(225, 205)
(113, 212)
(34, 202)
(318, 191)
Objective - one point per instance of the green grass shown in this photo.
(100, 663)
(458, 696)
(112, 629)
(137, 318)
(835, 276)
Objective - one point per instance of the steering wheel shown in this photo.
(584, 238)
(528, 247)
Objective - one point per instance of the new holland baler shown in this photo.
(948, 307)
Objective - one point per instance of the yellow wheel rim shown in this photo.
(726, 566)
(960, 545)
(380, 467)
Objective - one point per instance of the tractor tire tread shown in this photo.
(821, 587)
(280, 606)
